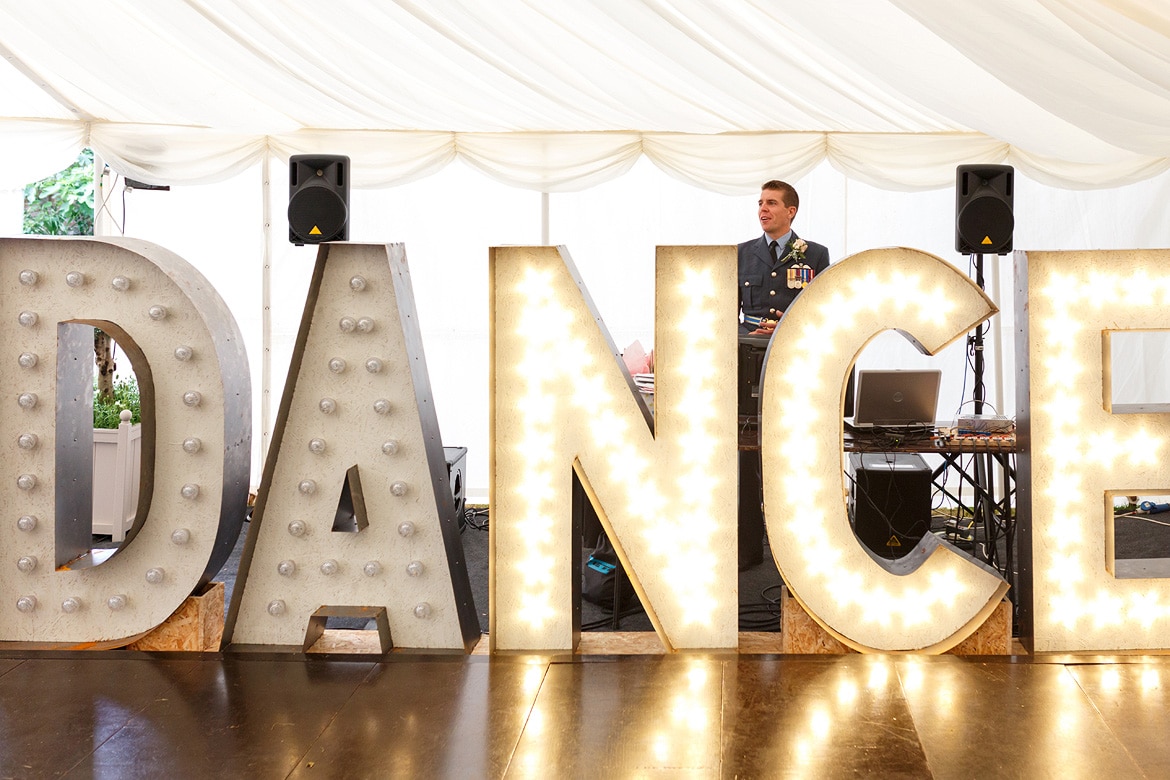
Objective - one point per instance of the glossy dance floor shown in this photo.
(124, 715)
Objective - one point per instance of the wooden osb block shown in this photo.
(994, 637)
(801, 634)
(197, 625)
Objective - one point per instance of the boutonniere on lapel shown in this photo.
(799, 247)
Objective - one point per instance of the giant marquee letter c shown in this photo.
(948, 595)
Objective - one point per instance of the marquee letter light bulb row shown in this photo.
(865, 605)
(1082, 453)
(356, 409)
(189, 358)
(664, 489)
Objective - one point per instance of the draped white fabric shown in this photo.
(559, 96)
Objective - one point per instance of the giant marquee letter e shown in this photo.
(1084, 451)
(947, 595)
(196, 436)
(355, 515)
(664, 489)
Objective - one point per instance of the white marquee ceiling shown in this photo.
(556, 95)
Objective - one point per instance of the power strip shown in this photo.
(984, 423)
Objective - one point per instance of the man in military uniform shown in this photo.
(775, 267)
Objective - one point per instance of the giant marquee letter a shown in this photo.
(355, 514)
(562, 401)
(947, 595)
(196, 436)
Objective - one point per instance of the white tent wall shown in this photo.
(449, 220)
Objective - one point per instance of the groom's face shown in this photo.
(775, 215)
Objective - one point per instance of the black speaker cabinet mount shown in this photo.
(318, 198)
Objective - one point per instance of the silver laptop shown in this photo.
(891, 398)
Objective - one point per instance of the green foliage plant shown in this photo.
(62, 204)
(107, 414)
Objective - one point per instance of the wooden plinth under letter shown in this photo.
(197, 625)
(800, 634)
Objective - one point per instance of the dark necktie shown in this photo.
(775, 252)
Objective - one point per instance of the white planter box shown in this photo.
(117, 461)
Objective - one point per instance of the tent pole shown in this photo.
(544, 199)
(266, 311)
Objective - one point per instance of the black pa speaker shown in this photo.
(890, 501)
(318, 198)
(983, 209)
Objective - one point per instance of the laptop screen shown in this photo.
(896, 397)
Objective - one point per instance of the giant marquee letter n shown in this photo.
(1080, 451)
(946, 595)
(193, 376)
(665, 490)
(355, 514)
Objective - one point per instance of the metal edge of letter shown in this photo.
(232, 361)
(433, 443)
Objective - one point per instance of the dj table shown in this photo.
(983, 522)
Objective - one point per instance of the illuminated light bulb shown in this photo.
(276, 608)
(398, 488)
(374, 365)
(390, 447)
(297, 528)
(117, 602)
(26, 481)
(286, 568)
(75, 278)
(382, 406)
(180, 536)
(327, 406)
(29, 278)
(191, 445)
(157, 312)
(365, 324)
(155, 575)
(27, 441)
(372, 569)
(27, 523)
(190, 491)
(183, 353)
(120, 283)
(415, 568)
(307, 486)
(26, 563)
(357, 284)
(27, 360)
(422, 611)
(192, 398)
(27, 400)
(28, 318)
(406, 528)
(329, 567)
(347, 324)
(26, 604)
(71, 605)
(337, 365)
(316, 446)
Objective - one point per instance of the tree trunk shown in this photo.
(103, 353)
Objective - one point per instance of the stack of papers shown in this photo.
(644, 383)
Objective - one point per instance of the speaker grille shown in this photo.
(317, 214)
